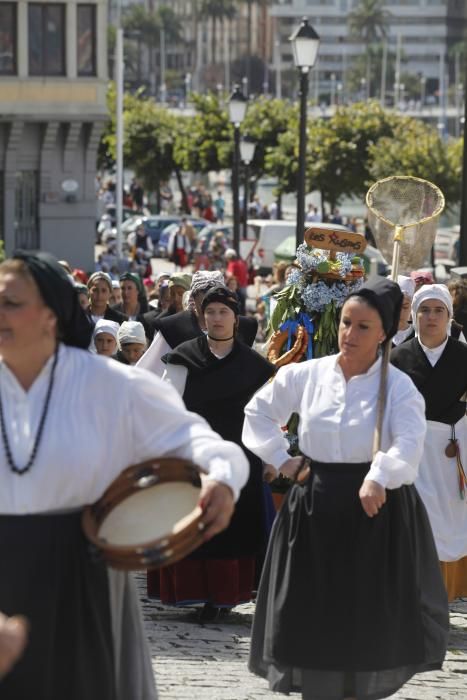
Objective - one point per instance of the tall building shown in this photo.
(208, 49)
(425, 29)
(53, 83)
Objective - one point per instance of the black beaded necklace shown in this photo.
(40, 429)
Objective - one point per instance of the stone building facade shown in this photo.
(53, 82)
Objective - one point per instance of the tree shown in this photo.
(266, 119)
(338, 150)
(416, 149)
(145, 26)
(150, 133)
(205, 141)
(249, 23)
(369, 23)
(217, 11)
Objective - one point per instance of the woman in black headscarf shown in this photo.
(217, 375)
(86, 637)
(351, 601)
(134, 301)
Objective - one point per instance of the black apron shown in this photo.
(49, 576)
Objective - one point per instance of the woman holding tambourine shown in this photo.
(351, 602)
(70, 422)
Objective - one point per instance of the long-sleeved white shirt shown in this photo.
(338, 418)
(103, 416)
(152, 358)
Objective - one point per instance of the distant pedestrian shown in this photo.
(219, 204)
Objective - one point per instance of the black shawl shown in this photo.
(219, 390)
(443, 385)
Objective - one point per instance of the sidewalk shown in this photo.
(208, 662)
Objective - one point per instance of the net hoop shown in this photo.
(394, 178)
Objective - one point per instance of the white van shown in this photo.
(267, 234)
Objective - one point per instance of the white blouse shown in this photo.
(338, 418)
(152, 358)
(433, 354)
(103, 416)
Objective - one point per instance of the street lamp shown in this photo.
(305, 45)
(247, 152)
(333, 90)
(422, 91)
(363, 88)
(237, 111)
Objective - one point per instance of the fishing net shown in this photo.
(403, 214)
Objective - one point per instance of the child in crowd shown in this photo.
(104, 337)
(132, 342)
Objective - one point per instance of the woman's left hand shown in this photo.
(372, 496)
(217, 503)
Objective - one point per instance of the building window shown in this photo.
(46, 39)
(27, 210)
(7, 38)
(86, 40)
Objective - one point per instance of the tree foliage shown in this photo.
(205, 140)
(416, 149)
(359, 144)
(265, 121)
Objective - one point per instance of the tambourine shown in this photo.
(149, 516)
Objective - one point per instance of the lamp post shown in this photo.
(247, 152)
(237, 111)
(305, 45)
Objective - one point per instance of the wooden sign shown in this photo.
(336, 238)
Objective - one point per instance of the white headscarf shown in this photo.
(438, 292)
(103, 326)
(407, 285)
(131, 332)
(202, 281)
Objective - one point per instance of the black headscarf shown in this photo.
(221, 295)
(59, 294)
(385, 296)
(136, 279)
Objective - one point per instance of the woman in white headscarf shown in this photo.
(132, 342)
(437, 364)
(104, 338)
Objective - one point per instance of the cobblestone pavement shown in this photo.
(208, 662)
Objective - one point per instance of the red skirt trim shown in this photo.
(221, 582)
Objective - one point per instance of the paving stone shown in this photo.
(194, 661)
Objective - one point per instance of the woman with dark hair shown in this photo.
(134, 300)
(217, 375)
(174, 329)
(86, 638)
(100, 291)
(351, 601)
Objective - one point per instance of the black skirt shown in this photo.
(47, 575)
(347, 602)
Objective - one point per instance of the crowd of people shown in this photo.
(98, 373)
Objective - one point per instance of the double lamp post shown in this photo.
(305, 45)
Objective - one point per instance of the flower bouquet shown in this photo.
(305, 318)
